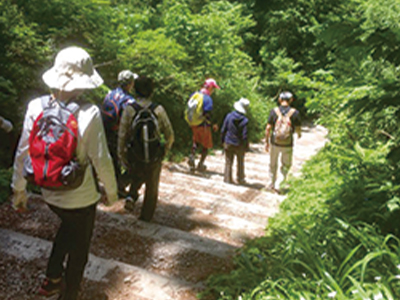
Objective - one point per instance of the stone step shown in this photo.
(238, 206)
(190, 221)
(134, 283)
(151, 246)
(176, 179)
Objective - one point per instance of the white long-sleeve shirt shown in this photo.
(91, 144)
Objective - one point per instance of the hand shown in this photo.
(19, 201)
(108, 200)
(7, 126)
(215, 127)
(124, 164)
(267, 147)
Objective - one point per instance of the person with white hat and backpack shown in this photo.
(71, 74)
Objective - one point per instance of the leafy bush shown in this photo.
(5, 188)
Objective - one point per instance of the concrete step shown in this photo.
(134, 283)
(152, 246)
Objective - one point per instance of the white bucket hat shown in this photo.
(72, 70)
(241, 105)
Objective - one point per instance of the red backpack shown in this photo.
(51, 162)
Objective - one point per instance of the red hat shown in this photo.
(211, 83)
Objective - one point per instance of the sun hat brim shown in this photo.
(76, 81)
(239, 107)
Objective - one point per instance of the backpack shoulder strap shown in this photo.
(73, 107)
(278, 112)
(122, 100)
(45, 101)
(153, 106)
(136, 106)
(290, 112)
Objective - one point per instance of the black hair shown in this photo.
(144, 86)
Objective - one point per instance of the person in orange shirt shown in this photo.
(201, 134)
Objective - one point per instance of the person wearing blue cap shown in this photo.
(283, 121)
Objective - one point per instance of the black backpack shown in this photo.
(144, 144)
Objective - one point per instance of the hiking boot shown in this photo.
(130, 204)
(122, 194)
(242, 182)
(191, 164)
(271, 188)
(51, 286)
(201, 168)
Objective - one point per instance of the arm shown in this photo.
(297, 129)
(267, 136)
(5, 124)
(223, 130)
(165, 127)
(18, 183)
(207, 111)
(270, 123)
(97, 151)
(245, 135)
(297, 123)
(123, 132)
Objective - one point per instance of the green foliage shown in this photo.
(22, 49)
(5, 188)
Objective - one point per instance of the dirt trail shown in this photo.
(198, 224)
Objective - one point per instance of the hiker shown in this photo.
(142, 156)
(71, 74)
(235, 141)
(111, 110)
(6, 125)
(201, 128)
(283, 121)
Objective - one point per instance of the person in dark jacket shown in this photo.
(235, 141)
